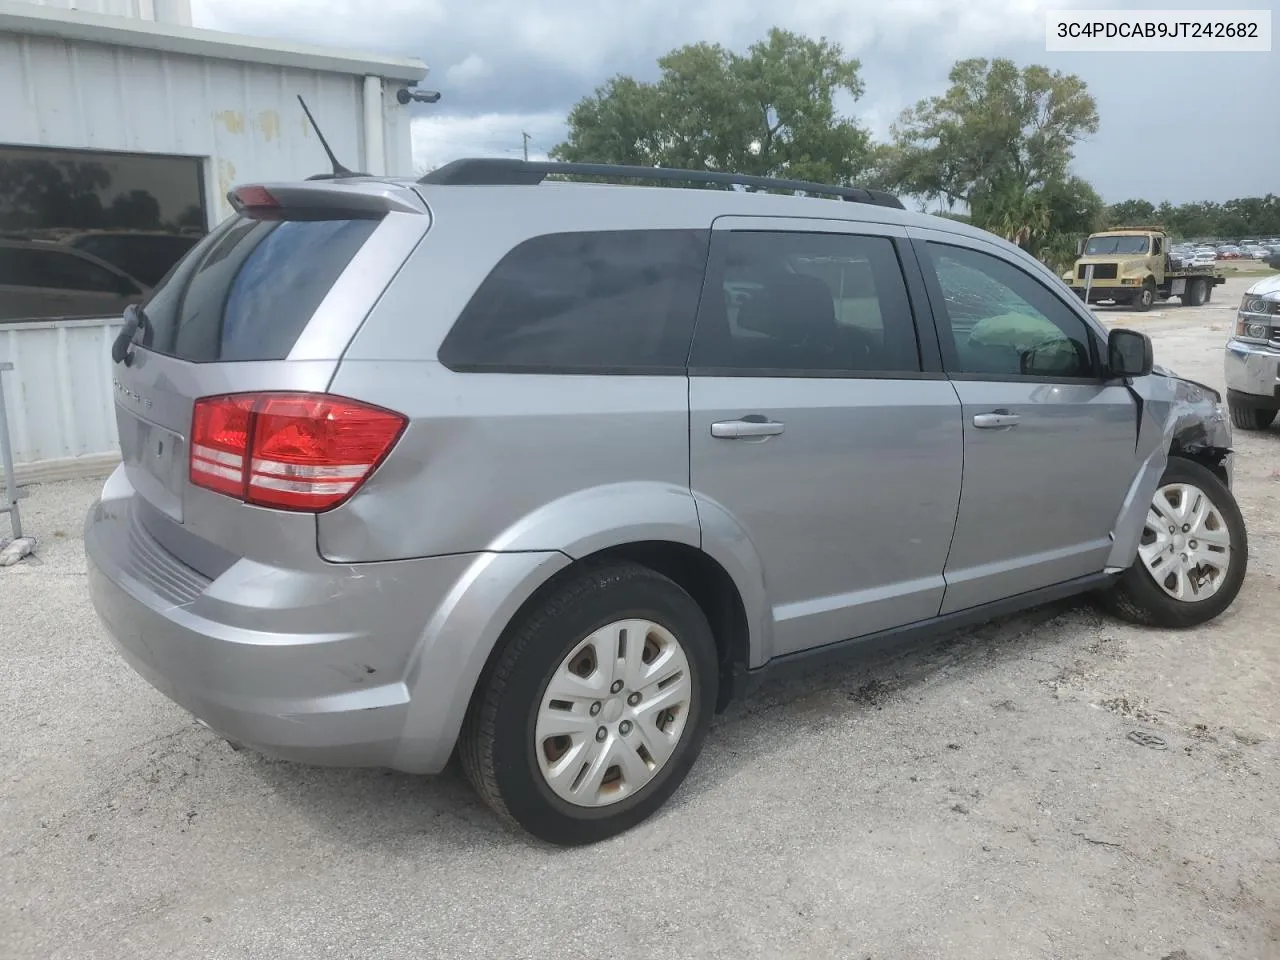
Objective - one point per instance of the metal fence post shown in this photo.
(10, 505)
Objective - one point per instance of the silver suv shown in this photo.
(547, 472)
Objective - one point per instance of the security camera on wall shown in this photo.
(405, 96)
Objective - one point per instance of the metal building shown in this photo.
(122, 128)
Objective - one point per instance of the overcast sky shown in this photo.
(1174, 126)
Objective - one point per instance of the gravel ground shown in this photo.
(979, 796)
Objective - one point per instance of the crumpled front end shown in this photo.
(1179, 417)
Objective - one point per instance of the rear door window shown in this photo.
(247, 291)
(799, 304)
(619, 301)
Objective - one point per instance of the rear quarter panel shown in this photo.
(507, 461)
(516, 462)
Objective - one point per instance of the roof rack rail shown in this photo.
(500, 171)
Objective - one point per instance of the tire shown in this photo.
(1251, 418)
(1145, 298)
(499, 745)
(1139, 598)
(1196, 293)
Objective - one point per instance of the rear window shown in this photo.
(247, 291)
(619, 301)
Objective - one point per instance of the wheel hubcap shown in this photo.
(613, 713)
(1186, 546)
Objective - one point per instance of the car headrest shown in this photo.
(791, 307)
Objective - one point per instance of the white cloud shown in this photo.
(471, 70)
(439, 139)
(590, 40)
(390, 26)
(508, 65)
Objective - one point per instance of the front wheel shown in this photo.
(596, 707)
(1250, 418)
(1191, 557)
(1146, 297)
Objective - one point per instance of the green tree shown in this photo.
(1006, 208)
(135, 210)
(770, 112)
(1000, 141)
(38, 193)
(997, 130)
(1075, 210)
(1074, 206)
(1234, 219)
(1132, 212)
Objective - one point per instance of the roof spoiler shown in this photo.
(357, 199)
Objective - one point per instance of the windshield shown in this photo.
(1100, 246)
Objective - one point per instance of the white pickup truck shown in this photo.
(1253, 355)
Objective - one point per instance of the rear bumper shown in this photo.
(1253, 373)
(346, 665)
(204, 675)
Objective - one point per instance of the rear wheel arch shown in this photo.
(515, 709)
(693, 570)
(702, 577)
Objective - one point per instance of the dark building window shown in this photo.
(86, 233)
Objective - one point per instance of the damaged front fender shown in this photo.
(1178, 418)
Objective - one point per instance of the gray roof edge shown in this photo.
(27, 18)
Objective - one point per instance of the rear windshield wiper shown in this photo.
(134, 320)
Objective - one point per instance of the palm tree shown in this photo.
(1013, 212)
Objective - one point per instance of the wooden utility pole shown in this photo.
(526, 144)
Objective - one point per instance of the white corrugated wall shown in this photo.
(242, 119)
(59, 396)
(167, 11)
(122, 8)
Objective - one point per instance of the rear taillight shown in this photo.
(292, 451)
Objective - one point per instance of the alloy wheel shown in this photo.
(613, 713)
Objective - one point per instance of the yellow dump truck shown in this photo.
(1132, 265)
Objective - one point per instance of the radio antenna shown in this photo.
(338, 169)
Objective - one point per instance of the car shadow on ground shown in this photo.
(442, 810)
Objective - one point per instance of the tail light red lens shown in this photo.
(253, 198)
(292, 451)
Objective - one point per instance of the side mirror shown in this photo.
(1080, 247)
(1129, 353)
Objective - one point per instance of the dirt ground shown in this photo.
(1057, 785)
